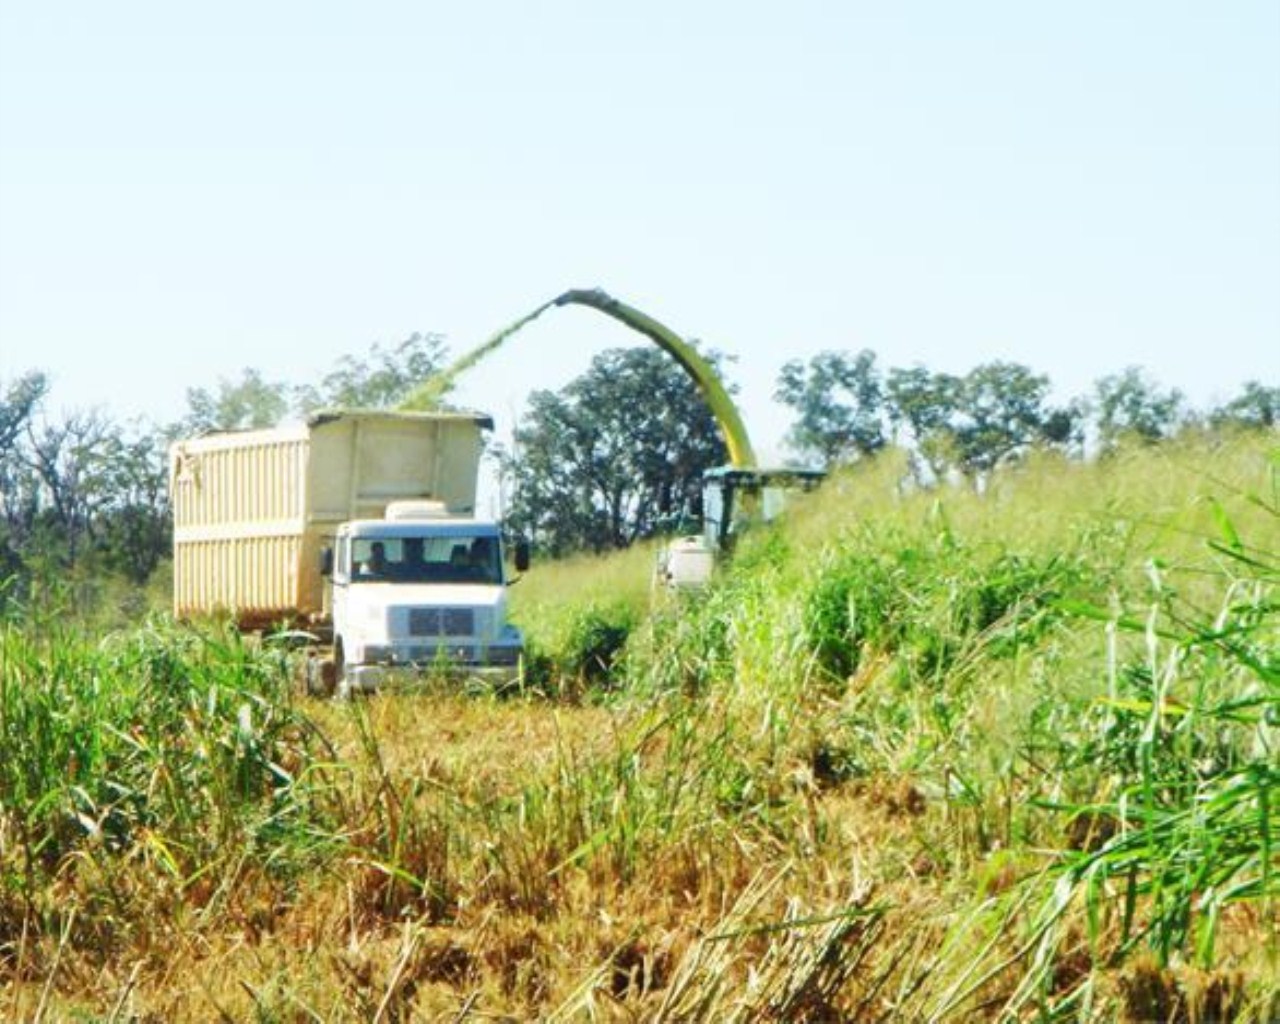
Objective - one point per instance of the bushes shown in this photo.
(972, 656)
(928, 604)
(583, 654)
(577, 616)
(595, 642)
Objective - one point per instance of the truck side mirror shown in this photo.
(522, 555)
(326, 561)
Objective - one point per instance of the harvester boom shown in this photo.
(741, 455)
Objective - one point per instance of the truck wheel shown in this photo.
(322, 676)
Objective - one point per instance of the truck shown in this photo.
(355, 529)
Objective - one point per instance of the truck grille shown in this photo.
(442, 622)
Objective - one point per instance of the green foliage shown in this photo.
(994, 414)
(251, 402)
(1024, 739)
(1176, 827)
(382, 380)
(596, 639)
(612, 456)
(1130, 405)
(963, 655)
(839, 402)
(927, 604)
(989, 417)
(1256, 407)
(175, 749)
(1187, 742)
(84, 500)
(78, 496)
(685, 645)
(582, 652)
(18, 406)
(923, 404)
(1038, 720)
(1003, 413)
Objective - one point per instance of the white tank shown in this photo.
(687, 562)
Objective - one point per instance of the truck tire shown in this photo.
(322, 676)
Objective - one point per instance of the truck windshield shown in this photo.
(455, 559)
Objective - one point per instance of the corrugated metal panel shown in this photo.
(262, 482)
(254, 578)
(239, 520)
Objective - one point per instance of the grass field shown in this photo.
(917, 756)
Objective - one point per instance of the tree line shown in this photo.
(846, 408)
(615, 456)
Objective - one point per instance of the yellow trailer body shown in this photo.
(252, 510)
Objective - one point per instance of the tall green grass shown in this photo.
(578, 615)
(151, 766)
(1078, 667)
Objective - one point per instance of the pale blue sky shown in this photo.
(186, 190)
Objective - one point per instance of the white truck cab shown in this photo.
(417, 592)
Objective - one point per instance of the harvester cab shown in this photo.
(732, 500)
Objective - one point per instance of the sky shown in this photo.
(187, 190)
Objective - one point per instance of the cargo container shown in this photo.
(270, 527)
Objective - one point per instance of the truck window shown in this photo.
(463, 559)
(376, 559)
(450, 559)
(470, 560)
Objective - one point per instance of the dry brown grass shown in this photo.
(356, 943)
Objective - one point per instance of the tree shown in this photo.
(86, 494)
(1131, 405)
(136, 529)
(81, 491)
(68, 464)
(1256, 407)
(613, 455)
(18, 405)
(381, 381)
(972, 424)
(1002, 413)
(248, 403)
(925, 404)
(840, 403)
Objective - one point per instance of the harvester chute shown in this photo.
(741, 454)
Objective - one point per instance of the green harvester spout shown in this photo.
(741, 455)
